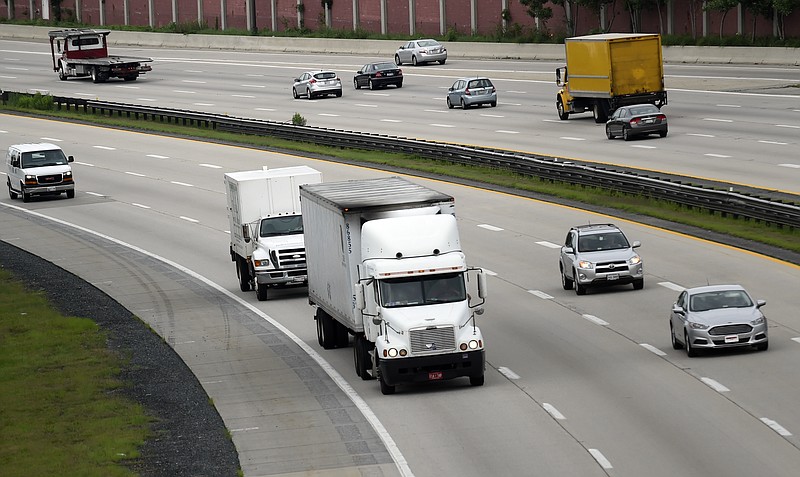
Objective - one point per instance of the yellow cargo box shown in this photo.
(614, 64)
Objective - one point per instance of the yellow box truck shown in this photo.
(609, 70)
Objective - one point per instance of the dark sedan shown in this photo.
(378, 75)
(636, 120)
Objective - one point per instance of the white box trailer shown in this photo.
(385, 265)
(266, 226)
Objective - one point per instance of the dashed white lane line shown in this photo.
(601, 459)
(330, 115)
(544, 243)
(435, 111)
(672, 286)
(776, 427)
(183, 91)
(718, 120)
(716, 386)
(506, 131)
(777, 143)
(83, 94)
(391, 121)
(7, 77)
(265, 109)
(700, 135)
(135, 174)
(157, 156)
(511, 104)
(141, 206)
(151, 100)
(377, 94)
(595, 320)
(569, 138)
(181, 184)
(193, 71)
(245, 96)
(95, 194)
(728, 106)
(540, 294)
(492, 115)
(489, 272)
(652, 349)
(367, 105)
(105, 148)
(721, 156)
(552, 121)
(203, 104)
(790, 126)
(50, 139)
(253, 86)
(553, 411)
(796, 340)
(507, 373)
(213, 382)
(194, 81)
(210, 166)
(441, 125)
(88, 164)
(517, 92)
(642, 146)
(490, 227)
(189, 219)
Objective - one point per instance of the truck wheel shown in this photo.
(342, 335)
(130, 78)
(95, 75)
(326, 330)
(61, 74)
(476, 380)
(11, 193)
(71, 194)
(598, 113)
(562, 115)
(261, 292)
(26, 197)
(361, 357)
(243, 273)
(385, 388)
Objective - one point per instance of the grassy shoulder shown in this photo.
(59, 411)
(784, 238)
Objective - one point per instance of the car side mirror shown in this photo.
(359, 72)
(678, 310)
(402, 47)
(636, 244)
(760, 303)
(569, 250)
(71, 159)
(296, 80)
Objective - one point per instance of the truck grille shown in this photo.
(612, 267)
(730, 329)
(432, 339)
(292, 258)
(50, 179)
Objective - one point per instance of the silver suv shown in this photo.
(597, 255)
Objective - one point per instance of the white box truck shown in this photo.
(385, 265)
(266, 226)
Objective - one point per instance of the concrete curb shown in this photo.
(383, 48)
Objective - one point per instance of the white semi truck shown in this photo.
(266, 226)
(385, 265)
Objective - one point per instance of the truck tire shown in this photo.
(342, 335)
(11, 193)
(261, 292)
(562, 115)
(26, 197)
(361, 357)
(71, 194)
(61, 74)
(243, 272)
(130, 77)
(599, 113)
(95, 75)
(326, 330)
(385, 388)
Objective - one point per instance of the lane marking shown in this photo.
(95, 194)
(141, 206)
(245, 429)
(84, 163)
(490, 227)
(265, 109)
(722, 156)
(553, 411)
(367, 105)
(377, 94)
(181, 184)
(729, 106)
(511, 104)
(552, 121)
(203, 104)
(595, 320)
(776, 427)
(246, 96)
(505, 131)
(540, 294)
(442, 125)
(568, 138)
(213, 382)
(253, 86)
(796, 340)
(391, 121)
(105, 148)
(329, 115)
(700, 135)
(672, 286)
(544, 243)
(50, 139)
(489, 272)
(194, 81)
(157, 156)
(210, 166)
(787, 126)
(492, 115)
(434, 111)
(643, 146)
(716, 386)
(507, 373)
(183, 91)
(652, 349)
(601, 459)
(718, 120)
(774, 142)
(189, 219)
(135, 174)
(146, 99)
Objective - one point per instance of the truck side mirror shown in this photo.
(246, 233)
(483, 291)
(71, 159)
(359, 296)
(15, 162)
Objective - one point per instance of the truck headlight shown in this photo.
(472, 344)
(261, 263)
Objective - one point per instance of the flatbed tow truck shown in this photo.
(80, 52)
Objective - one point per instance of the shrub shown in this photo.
(298, 120)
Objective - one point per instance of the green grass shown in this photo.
(60, 412)
(780, 237)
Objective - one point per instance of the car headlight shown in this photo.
(758, 321)
(585, 264)
(635, 260)
(697, 326)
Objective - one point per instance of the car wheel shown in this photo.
(579, 289)
(476, 380)
(625, 134)
(371, 85)
(562, 115)
(690, 351)
(308, 94)
(663, 133)
(441, 62)
(11, 193)
(463, 104)
(493, 104)
(414, 60)
(566, 283)
(355, 84)
(638, 284)
(400, 84)
(397, 60)
(449, 104)
(675, 343)
(261, 292)
(26, 197)
(71, 194)
(294, 93)
(763, 346)
(608, 133)
(338, 94)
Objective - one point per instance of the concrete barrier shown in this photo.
(386, 48)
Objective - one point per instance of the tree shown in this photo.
(537, 9)
(570, 14)
(784, 8)
(598, 7)
(723, 6)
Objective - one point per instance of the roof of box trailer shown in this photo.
(610, 36)
(374, 193)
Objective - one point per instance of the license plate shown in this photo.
(649, 120)
(298, 279)
(51, 189)
(732, 339)
(434, 375)
(612, 276)
(389, 74)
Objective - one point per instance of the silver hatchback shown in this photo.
(317, 83)
(467, 92)
(419, 52)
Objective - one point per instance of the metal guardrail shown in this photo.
(756, 204)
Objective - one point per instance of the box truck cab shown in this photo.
(38, 169)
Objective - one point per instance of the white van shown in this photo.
(38, 169)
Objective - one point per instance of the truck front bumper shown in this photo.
(432, 368)
(50, 189)
(282, 277)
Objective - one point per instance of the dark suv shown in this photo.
(597, 255)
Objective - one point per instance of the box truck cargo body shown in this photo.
(385, 265)
(609, 70)
(266, 226)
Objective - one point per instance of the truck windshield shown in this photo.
(282, 225)
(423, 290)
(54, 157)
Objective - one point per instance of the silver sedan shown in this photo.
(418, 52)
(717, 316)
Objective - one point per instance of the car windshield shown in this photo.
(282, 225)
(645, 109)
(602, 241)
(53, 157)
(480, 83)
(385, 66)
(719, 299)
(428, 43)
(423, 290)
(326, 75)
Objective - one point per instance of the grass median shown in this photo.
(702, 220)
(60, 411)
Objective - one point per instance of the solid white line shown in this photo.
(243, 429)
(776, 427)
(601, 459)
(544, 243)
(105, 148)
(507, 373)
(210, 166)
(95, 194)
(568, 138)
(189, 219)
(181, 184)
(718, 120)
(553, 411)
(134, 174)
(540, 294)
(595, 319)
(652, 349)
(156, 156)
(723, 156)
(672, 286)
(490, 227)
(715, 385)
